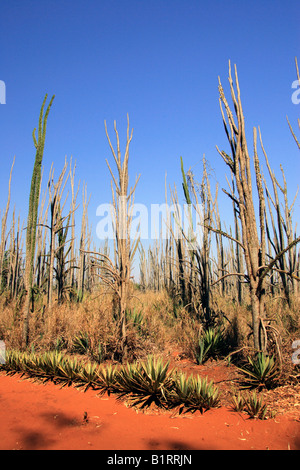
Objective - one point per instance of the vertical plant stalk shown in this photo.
(40, 236)
(56, 227)
(33, 214)
(253, 230)
(72, 209)
(239, 164)
(205, 209)
(123, 200)
(181, 261)
(82, 247)
(284, 227)
(16, 263)
(190, 236)
(3, 226)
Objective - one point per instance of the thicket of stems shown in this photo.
(256, 257)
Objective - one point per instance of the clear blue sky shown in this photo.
(158, 61)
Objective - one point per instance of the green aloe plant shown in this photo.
(107, 379)
(238, 402)
(68, 371)
(87, 377)
(135, 318)
(250, 403)
(209, 344)
(60, 343)
(13, 362)
(145, 383)
(29, 364)
(47, 365)
(260, 372)
(255, 406)
(193, 394)
(81, 343)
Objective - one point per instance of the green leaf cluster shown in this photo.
(142, 384)
(262, 371)
(252, 403)
(209, 345)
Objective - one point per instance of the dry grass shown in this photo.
(159, 328)
(94, 317)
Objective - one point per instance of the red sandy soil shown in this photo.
(34, 416)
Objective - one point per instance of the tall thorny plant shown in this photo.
(117, 274)
(33, 213)
(253, 228)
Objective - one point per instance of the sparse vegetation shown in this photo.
(74, 315)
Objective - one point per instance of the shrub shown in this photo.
(209, 344)
(255, 406)
(135, 318)
(260, 372)
(142, 384)
(145, 383)
(238, 402)
(251, 403)
(87, 377)
(107, 379)
(81, 343)
(194, 393)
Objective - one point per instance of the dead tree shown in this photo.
(117, 274)
(283, 232)
(83, 249)
(72, 211)
(58, 232)
(253, 230)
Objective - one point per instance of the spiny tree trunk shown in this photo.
(200, 254)
(239, 164)
(253, 230)
(33, 213)
(123, 200)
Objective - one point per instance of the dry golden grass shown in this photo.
(155, 326)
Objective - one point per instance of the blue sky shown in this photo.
(158, 61)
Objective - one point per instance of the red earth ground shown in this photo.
(34, 416)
